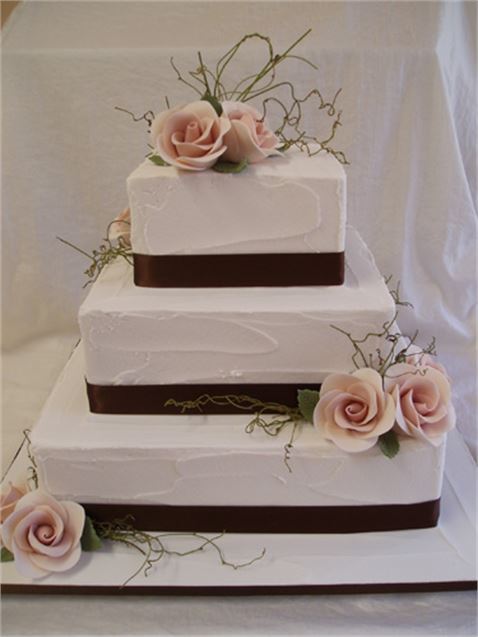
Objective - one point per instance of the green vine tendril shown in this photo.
(107, 252)
(397, 345)
(270, 417)
(153, 548)
(273, 94)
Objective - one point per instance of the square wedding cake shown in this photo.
(150, 352)
(240, 367)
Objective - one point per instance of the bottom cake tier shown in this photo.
(205, 473)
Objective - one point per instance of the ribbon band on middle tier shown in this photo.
(152, 399)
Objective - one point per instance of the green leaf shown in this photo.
(229, 166)
(215, 103)
(5, 555)
(159, 161)
(89, 538)
(307, 399)
(389, 444)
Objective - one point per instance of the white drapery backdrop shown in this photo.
(407, 71)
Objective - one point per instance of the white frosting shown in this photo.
(293, 203)
(210, 460)
(138, 335)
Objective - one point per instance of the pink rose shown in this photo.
(422, 397)
(191, 137)
(9, 499)
(43, 534)
(353, 410)
(249, 137)
(415, 356)
(120, 228)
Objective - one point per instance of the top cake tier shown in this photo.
(282, 219)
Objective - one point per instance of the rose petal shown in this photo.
(368, 395)
(336, 382)
(76, 520)
(408, 409)
(197, 163)
(248, 148)
(17, 527)
(348, 440)
(387, 417)
(235, 110)
(192, 132)
(57, 564)
(25, 566)
(200, 109)
(41, 498)
(159, 121)
(370, 376)
(62, 545)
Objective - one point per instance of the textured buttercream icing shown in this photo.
(137, 335)
(210, 460)
(293, 203)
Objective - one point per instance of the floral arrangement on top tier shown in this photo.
(396, 391)
(222, 131)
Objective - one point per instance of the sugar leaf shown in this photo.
(389, 444)
(6, 555)
(307, 399)
(229, 166)
(159, 161)
(89, 538)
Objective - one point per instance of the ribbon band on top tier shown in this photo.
(238, 270)
(151, 399)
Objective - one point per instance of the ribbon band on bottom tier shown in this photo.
(272, 519)
(152, 399)
(238, 270)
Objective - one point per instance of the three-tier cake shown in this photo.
(186, 321)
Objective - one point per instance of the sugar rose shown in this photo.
(9, 498)
(191, 137)
(43, 534)
(120, 228)
(422, 396)
(353, 410)
(417, 357)
(249, 137)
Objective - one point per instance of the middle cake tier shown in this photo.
(143, 345)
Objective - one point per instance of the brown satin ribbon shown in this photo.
(151, 399)
(238, 270)
(272, 519)
(275, 589)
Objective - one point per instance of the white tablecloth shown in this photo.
(407, 73)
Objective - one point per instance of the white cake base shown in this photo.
(441, 558)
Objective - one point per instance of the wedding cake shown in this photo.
(240, 366)
(152, 350)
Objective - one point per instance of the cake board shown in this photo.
(420, 560)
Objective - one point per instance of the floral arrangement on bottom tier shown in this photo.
(43, 535)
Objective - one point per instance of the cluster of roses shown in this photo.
(195, 136)
(414, 398)
(40, 533)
